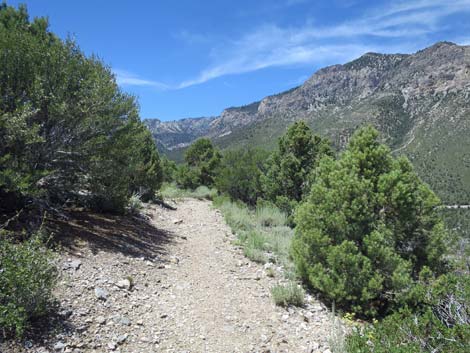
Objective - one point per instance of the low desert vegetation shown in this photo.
(28, 274)
(288, 294)
(262, 231)
(440, 324)
(369, 239)
(172, 192)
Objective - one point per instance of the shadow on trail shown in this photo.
(129, 235)
(41, 333)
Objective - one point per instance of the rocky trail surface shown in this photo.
(179, 285)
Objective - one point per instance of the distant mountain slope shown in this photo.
(420, 103)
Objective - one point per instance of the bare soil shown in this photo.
(192, 290)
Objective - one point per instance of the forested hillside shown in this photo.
(419, 102)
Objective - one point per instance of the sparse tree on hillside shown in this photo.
(202, 161)
(240, 175)
(298, 152)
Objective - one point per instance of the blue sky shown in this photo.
(185, 58)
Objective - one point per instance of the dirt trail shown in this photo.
(220, 302)
(196, 293)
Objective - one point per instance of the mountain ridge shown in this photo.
(419, 102)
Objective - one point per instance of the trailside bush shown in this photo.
(288, 294)
(68, 134)
(203, 192)
(268, 215)
(442, 324)
(286, 179)
(187, 178)
(169, 170)
(27, 277)
(202, 162)
(239, 175)
(367, 229)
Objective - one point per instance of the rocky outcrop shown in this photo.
(420, 102)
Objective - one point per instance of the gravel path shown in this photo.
(195, 292)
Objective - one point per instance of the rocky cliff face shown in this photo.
(420, 103)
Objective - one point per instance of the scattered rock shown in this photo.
(121, 339)
(72, 265)
(59, 346)
(112, 346)
(177, 221)
(124, 284)
(75, 264)
(101, 293)
(203, 274)
(101, 320)
(125, 321)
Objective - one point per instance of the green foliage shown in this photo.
(268, 215)
(203, 192)
(187, 177)
(367, 229)
(27, 277)
(171, 191)
(286, 179)
(254, 254)
(169, 170)
(134, 205)
(239, 174)
(289, 294)
(202, 161)
(441, 325)
(67, 132)
(458, 223)
(237, 215)
(260, 243)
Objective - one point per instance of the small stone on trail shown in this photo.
(112, 346)
(59, 346)
(124, 284)
(177, 221)
(101, 293)
(122, 338)
(75, 264)
(101, 320)
(72, 264)
(125, 321)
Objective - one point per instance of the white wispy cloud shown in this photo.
(192, 37)
(125, 78)
(271, 45)
(274, 46)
